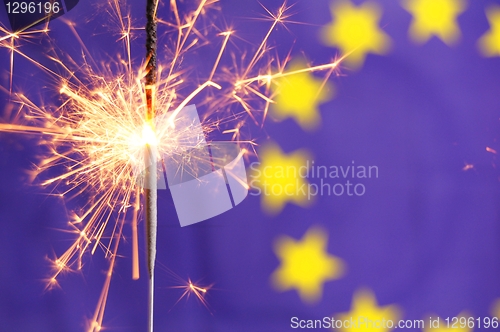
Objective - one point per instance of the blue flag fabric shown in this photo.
(420, 108)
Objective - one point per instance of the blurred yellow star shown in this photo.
(305, 265)
(443, 326)
(368, 315)
(355, 29)
(489, 44)
(298, 96)
(435, 18)
(280, 178)
(495, 309)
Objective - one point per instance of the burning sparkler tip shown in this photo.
(148, 135)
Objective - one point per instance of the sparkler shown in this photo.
(150, 192)
(105, 128)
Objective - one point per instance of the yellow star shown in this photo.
(305, 265)
(489, 44)
(367, 316)
(281, 178)
(444, 326)
(355, 29)
(298, 96)
(435, 18)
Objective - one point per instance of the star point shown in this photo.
(368, 314)
(489, 43)
(306, 265)
(355, 29)
(435, 18)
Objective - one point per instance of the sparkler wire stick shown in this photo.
(150, 191)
